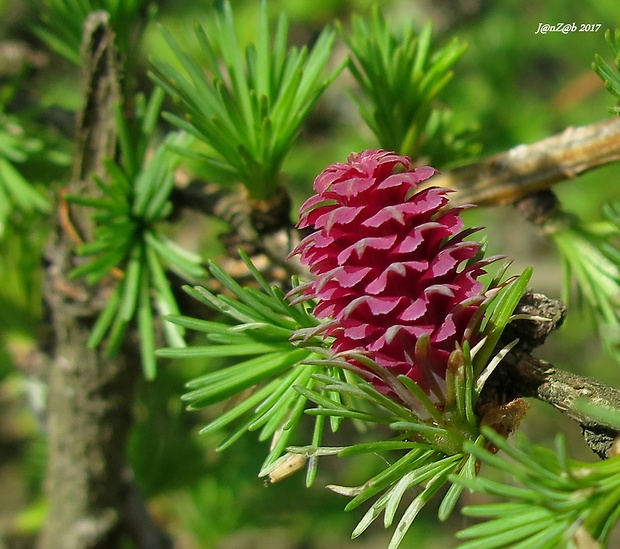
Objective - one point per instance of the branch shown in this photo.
(90, 395)
(506, 177)
(520, 375)
(258, 227)
(563, 390)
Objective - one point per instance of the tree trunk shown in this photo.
(90, 395)
(89, 416)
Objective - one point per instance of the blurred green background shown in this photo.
(513, 85)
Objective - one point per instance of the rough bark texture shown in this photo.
(90, 395)
(507, 177)
(89, 415)
(521, 375)
(532, 377)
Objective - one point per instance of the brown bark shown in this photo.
(507, 177)
(89, 415)
(91, 498)
(521, 375)
(533, 377)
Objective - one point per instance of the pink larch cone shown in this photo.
(391, 265)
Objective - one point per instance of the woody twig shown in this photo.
(507, 177)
